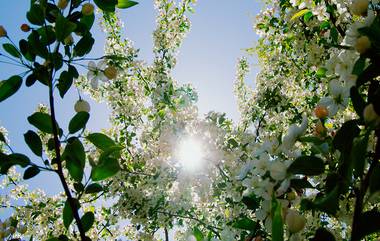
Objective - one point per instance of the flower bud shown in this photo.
(370, 116)
(110, 72)
(82, 105)
(69, 40)
(62, 4)
(12, 229)
(362, 44)
(25, 27)
(22, 229)
(290, 196)
(359, 7)
(294, 221)
(278, 170)
(3, 32)
(320, 129)
(87, 9)
(321, 112)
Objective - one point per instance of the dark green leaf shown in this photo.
(88, 20)
(300, 184)
(252, 202)
(328, 203)
(63, 27)
(35, 15)
(19, 159)
(11, 50)
(84, 45)
(25, 50)
(307, 165)
(357, 101)
(34, 142)
(67, 215)
(41, 121)
(368, 224)
(88, 220)
(358, 155)
(323, 235)
(374, 181)
(100, 140)
(78, 122)
(75, 157)
(359, 66)
(345, 136)
(93, 188)
(65, 82)
(9, 87)
(106, 5)
(245, 223)
(126, 3)
(106, 168)
(2, 137)
(31, 172)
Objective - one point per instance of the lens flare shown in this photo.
(190, 154)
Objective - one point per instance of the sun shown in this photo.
(190, 153)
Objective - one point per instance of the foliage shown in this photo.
(302, 163)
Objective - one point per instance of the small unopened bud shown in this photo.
(362, 44)
(370, 116)
(3, 32)
(359, 7)
(87, 9)
(22, 229)
(320, 129)
(290, 196)
(110, 72)
(69, 40)
(25, 27)
(62, 4)
(321, 112)
(82, 105)
(295, 221)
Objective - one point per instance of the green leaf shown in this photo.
(101, 141)
(374, 180)
(368, 223)
(321, 72)
(358, 155)
(9, 87)
(251, 201)
(357, 101)
(126, 3)
(41, 121)
(198, 234)
(78, 122)
(88, 220)
(328, 203)
(88, 20)
(19, 159)
(277, 223)
(300, 184)
(93, 188)
(106, 168)
(75, 157)
(84, 45)
(34, 142)
(25, 50)
(300, 14)
(35, 15)
(345, 136)
(307, 165)
(68, 216)
(323, 235)
(31, 172)
(106, 5)
(66, 80)
(63, 27)
(359, 66)
(245, 223)
(2, 138)
(11, 50)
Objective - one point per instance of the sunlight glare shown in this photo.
(190, 154)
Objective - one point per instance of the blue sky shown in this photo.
(207, 59)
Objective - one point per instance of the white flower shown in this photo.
(338, 98)
(293, 133)
(278, 170)
(96, 73)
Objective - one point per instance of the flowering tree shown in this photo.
(302, 163)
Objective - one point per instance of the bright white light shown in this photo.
(190, 154)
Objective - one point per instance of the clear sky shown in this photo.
(207, 59)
